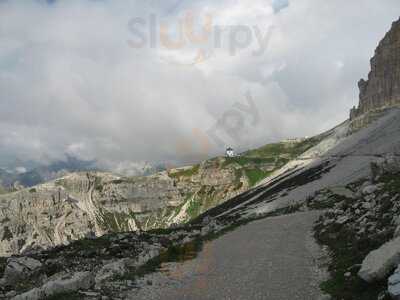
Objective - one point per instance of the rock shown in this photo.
(397, 232)
(342, 220)
(34, 294)
(206, 221)
(370, 189)
(390, 164)
(65, 284)
(147, 255)
(381, 90)
(91, 204)
(111, 270)
(377, 265)
(90, 294)
(394, 284)
(11, 294)
(19, 268)
(383, 296)
(342, 191)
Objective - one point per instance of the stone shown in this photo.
(111, 270)
(11, 294)
(378, 263)
(394, 285)
(397, 232)
(20, 267)
(342, 191)
(65, 284)
(342, 220)
(370, 189)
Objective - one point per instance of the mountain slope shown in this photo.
(95, 203)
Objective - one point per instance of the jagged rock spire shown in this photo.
(382, 89)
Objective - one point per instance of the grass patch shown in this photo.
(185, 173)
(347, 253)
(247, 160)
(256, 175)
(194, 208)
(290, 150)
(175, 253)
(115, 221)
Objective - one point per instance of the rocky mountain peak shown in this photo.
(382, 89)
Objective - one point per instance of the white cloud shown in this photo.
(70, 83)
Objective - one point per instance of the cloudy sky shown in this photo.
(175, 81)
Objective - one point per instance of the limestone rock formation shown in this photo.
(92, 204)
(382, 89)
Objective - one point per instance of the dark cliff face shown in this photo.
(382, 89)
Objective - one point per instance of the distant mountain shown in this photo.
(41, 173)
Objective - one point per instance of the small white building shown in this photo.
(230, 152)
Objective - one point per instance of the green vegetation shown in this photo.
(246, 160)
(115, 221)
(178, 253)
(288, 149)
(186, 172)
(256, 175)
(194, 208)
(348, 247)
(348, 252)
(273, 156)
(98, 184)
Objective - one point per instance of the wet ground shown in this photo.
(274, 258)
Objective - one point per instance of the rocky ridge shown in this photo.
(382, 89)
(89, 204)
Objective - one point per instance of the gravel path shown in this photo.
(272, 259)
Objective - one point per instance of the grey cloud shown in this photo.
(70, 83)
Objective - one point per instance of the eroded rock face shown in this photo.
(382, 89)
(92, 204)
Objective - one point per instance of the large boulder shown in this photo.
(379, 263)
(63, 285)
(19, 268)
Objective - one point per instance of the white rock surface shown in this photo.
(378, 264)
(81, 280)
